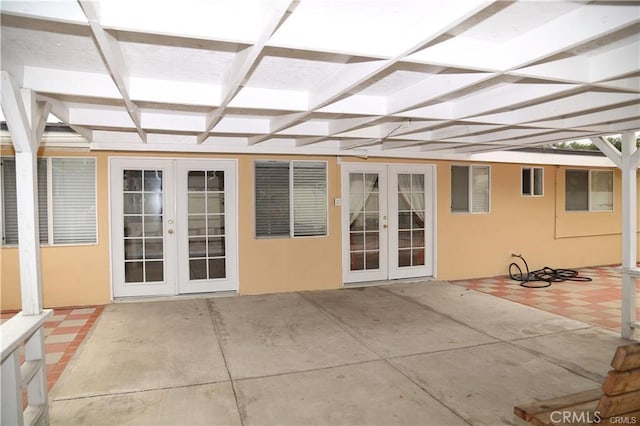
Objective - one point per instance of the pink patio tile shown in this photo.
(597, 302)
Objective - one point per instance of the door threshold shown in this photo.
(387, 282)
(136, 299)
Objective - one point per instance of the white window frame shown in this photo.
(532, 185)
(470, 189)
(50, 230)
(292, 201)
(590, 174)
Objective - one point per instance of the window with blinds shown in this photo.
(10, 202)
(272, 199)
(65, 184)
(470, 189)
(73, 200)
(309, 198)
(291, 198)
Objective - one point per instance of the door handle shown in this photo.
(170, 231)
(385, 226)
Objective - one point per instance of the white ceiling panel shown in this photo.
(23, 47)
(176, 63)
(66, 11)
(221, 19)
(274, 72)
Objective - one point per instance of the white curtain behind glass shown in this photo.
(359, 192)
(416, 193)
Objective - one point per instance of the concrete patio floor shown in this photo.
(425, 353)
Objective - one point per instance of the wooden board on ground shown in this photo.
(528, 411)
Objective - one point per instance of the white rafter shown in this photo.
(114, 61)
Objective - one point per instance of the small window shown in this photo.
(589, 190)
(291, 198)
(66, 201)
(470, 189)
(532, 181)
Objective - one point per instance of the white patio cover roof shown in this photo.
(409, 78)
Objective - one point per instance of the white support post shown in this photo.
(629, 234)
(28, 232)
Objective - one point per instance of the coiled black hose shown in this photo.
(542, 278)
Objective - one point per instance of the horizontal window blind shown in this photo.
(10, 202)
(480, 193)
(272, 199)
(74, 200)
(309, 199)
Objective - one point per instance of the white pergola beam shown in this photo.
(16, 115)
(111, 54)
(609, 150)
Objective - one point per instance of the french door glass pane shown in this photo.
(206, 210)
(411, 228)
(364, 212)
(143, 226)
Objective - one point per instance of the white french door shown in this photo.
(387, 221)
(173, 226)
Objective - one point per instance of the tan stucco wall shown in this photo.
(468, 245)
(539, 228)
